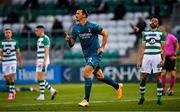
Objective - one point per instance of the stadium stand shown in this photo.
(119, 39)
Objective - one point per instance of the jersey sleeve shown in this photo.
(17, 45)
(163, 37)
(73, 34)
(46, 42)
(174, 39)
(143, 40)
(97, 29)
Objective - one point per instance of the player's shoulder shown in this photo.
(92, 24)
(45, 36)
(14, 40)
(76, 27)
(172, 36)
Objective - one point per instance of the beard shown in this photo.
(153, 26)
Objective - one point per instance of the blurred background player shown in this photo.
(10, 52)
(5, 88)
(87, 33)
(153, 44)
(42, 62)
(172, 47)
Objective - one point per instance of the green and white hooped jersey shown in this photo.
(42, 42)
(153, 41)
(9, 51)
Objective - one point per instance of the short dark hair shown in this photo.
(84, 11)
(157, 17)
(40, 26)
(8, 29)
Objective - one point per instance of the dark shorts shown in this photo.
(94, 61)
(170, 65)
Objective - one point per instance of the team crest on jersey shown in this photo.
(152, 41)
(8, 51)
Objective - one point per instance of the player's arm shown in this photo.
(104, 41)
(69, 40)
(19, 57)
(177, 48)
(46, 43)
(141, 52)
(163, 46)
(1, 54)
(46, 55)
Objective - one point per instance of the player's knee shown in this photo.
(173, 74)
(163, 73)
(86, 74)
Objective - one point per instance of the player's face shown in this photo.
(8, 33)
(79, 15)
(154, 23)
(38, 31)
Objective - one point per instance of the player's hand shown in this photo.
(138, 65)
(20, 65)
(162, 63)
(173, 57)
(44, 64)
(100, 50)
(136, 29)
(67, 37)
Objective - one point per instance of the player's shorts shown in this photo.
(151, 63)
(40, 68)
(8, 69)
(94, 60)
(170, 65)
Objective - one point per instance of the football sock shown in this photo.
(11, 87)
(88, 84)
(172, 81)
(47, 85)
(142, 88)
(159, 90)
(25, 89)
(41, 86)
(8, 84)
(163, 81)
(109, 81)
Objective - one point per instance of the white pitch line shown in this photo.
(111, 101)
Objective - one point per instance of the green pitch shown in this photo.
(103, 98)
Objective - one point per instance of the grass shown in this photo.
(103, 98)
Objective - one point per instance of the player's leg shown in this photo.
(41, 74)
(163, 78)
(51, 89)
(145, 70)
(157, 69)
(26, 89)
(10, 80)
(172, 81)
(142, 87)
(40, 78)
(9, 71)
(48, 86)
(159, 87)
(88, 70)
(164, 72)
(106, 79)
(173, 76)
